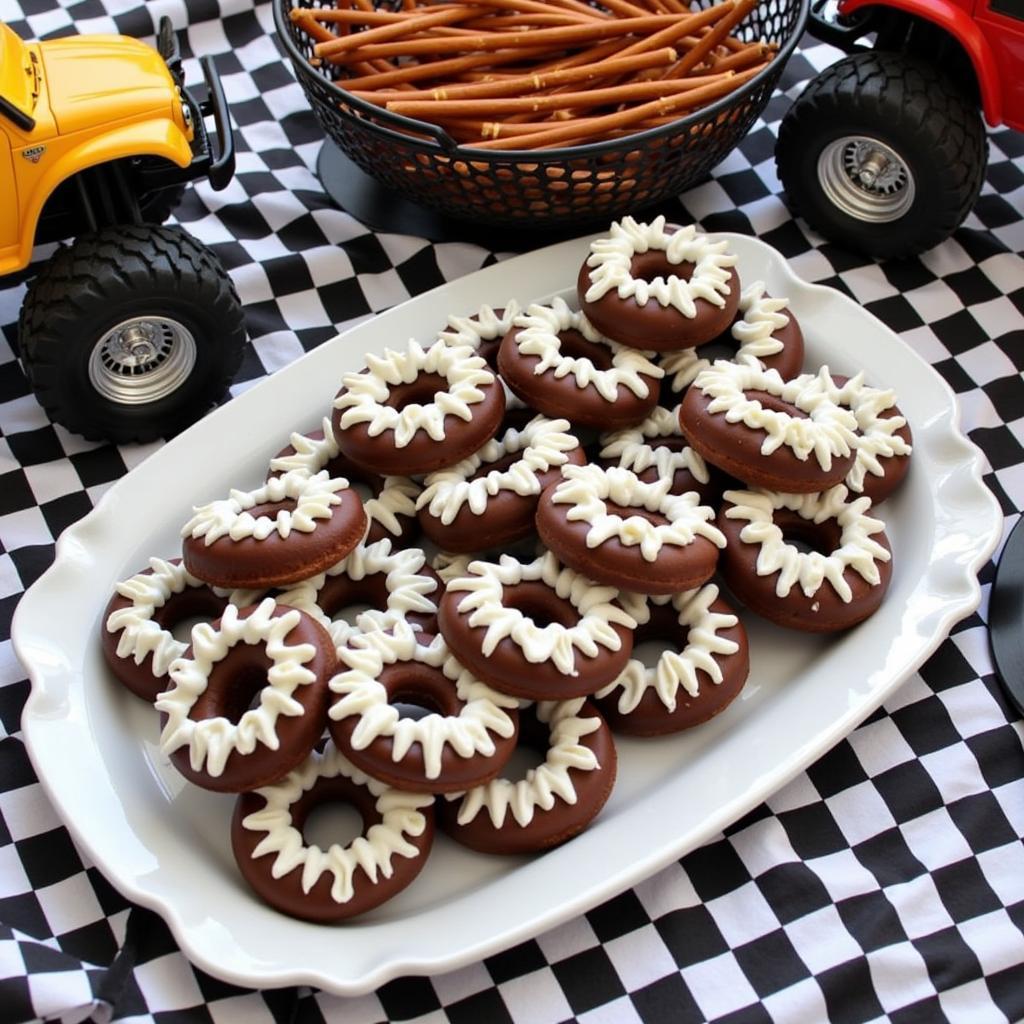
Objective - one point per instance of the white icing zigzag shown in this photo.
(211, 740)
(229, 517)
(538, 789)
(596, 606)
(810, 569)
(541, 446)
(827, 432)
(760, 317)
(589, 489)
(634, 450)
(537, 335)
(677, 669)
(407, 588)
(401, 813)
(397, 496)
(610, 260)
(487, 326)
(876, 438)
(364, 394)
(360, 694)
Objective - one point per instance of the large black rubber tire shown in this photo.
(906, 104)
(101, 281)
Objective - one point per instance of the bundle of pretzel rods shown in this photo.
(536, 74)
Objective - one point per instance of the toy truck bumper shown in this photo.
(213, 154)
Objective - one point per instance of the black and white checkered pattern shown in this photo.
(887, 882)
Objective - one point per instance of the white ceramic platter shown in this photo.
(165, 844)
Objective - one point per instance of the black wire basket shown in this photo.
(547, 188)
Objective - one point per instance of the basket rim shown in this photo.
(442, 143)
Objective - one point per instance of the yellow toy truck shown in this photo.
(134, 329)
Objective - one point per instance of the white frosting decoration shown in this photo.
(408, 589)
(364, 394)
(810, 569)
(877, 436)
(401, 815)
(634, 450)
(538, 789)
(140, 633)
(610, 258)
(397, 496)
(589, 489)
(541, 445)
(313, 497)
(675, 669)
(211, 740)
(469, 733)
(596, 606)
(537, 335)
(828, 430)
(760, 317)
(486, 325)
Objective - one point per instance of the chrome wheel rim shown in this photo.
(142, 360)
(866, 179)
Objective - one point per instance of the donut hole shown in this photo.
(572, 344)
(235, 685)
(498, 465)
(332, 822)
(725, 346)
(422, 391)
(531, 749)
(646, 266)
(775, 404)
(343, 600)
(626, 511)
(807, 536)
(541, 605)
(414, 705)
(417, 690)
(660, 632)
(180, 612)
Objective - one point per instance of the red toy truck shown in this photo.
(885, 151)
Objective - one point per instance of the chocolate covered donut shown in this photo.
(482, 331)
(701, 671)
(657, 286)
(781, 435)
(304, 881)
(834, 585)
(613, 528)
(417, 410)
(292, 527)
(464, 739)
(550, 803)
(536, 630)
(556, 362)
(248, 700)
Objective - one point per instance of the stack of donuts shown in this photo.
(459, 563)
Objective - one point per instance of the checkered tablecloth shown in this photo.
(887, 882)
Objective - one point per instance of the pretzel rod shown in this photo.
(534, 83)
(568, 35)
(578, 5)
(435, 69)
(500, 22)
(754, 53)
(597, 126)
(430, 109)
(584, 13)
(694, 56)
(680, 28)
(588, 56)
(403, 27)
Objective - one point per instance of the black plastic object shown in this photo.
(579, 185)
(827, 24)
(1006, 617)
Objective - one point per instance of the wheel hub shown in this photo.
(142, 360)
(866, 179)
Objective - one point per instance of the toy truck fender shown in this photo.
(159, 137)
(962, 27)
